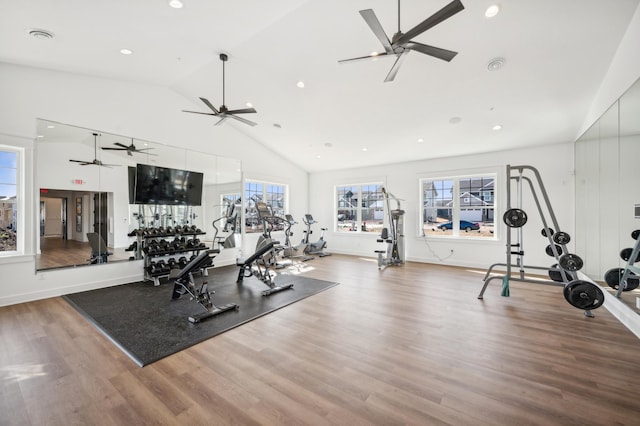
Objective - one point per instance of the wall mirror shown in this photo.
(607, 177)
(89, 214)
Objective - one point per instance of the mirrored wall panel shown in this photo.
(109, 198)
(607, 160)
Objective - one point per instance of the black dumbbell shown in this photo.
(182, 262)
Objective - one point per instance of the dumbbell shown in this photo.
(182, 262)
(153, 268)
(173, 264)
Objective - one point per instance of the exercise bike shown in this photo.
(289, 250)
(269, 222)
(317, 247)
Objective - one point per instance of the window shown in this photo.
(360, 208)
(459, 206)
(8, 200)
(273, 194)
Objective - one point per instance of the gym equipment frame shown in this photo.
(580, 294)
(184, 283)
(395, 241)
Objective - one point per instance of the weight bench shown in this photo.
(99, 251)
(261, 270)
(183, 283)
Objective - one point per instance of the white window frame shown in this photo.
(19, 202)
(265, 184)
(358, 220)
(456, 208)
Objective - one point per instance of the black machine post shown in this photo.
(184, 283)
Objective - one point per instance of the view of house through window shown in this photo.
(273, 194)
(8, 200)
(470, 199)
(360, 208)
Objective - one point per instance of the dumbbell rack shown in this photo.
(630, 268)
(515, 219)
(168, 253)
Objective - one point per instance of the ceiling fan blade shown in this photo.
(243, 120)
(396, 66)
(224, 117)
(114, 149)
(436, 52)
(121, 145)
(80, 161)
(361, 58)
(207, 103)
(445, 13)
(371, 20)
(198, 112)
(242, 111)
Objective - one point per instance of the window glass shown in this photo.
(273, 194)
(8, 201)
(360, 208)
(472, 202)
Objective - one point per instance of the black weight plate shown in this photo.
(583, 295)
(555, 274)
(549, 250)
(514, 218)
(625, 255)
(635, 234)
(613, 276)
(544, 231)
(570, 262)
(561, 238)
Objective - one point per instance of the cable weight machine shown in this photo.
(579, 293)
(394, 236)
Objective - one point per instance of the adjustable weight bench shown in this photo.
(261, 270)
(184, 283)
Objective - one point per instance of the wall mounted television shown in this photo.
(162, 185)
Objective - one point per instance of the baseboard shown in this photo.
(60, 291)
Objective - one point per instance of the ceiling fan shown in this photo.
(401, 43)
(95, 161)
(129, 148)
(225, 113)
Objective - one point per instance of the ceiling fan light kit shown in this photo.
(223, 112)
(402, 43)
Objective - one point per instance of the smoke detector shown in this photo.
(495, 64)
(41, 34)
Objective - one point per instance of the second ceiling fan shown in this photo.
(223, 113)
(401, 43)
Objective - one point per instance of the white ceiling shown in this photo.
(556, 53)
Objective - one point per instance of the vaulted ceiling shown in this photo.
(554, 56)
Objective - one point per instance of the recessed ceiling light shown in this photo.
(300, 84)
(41, 34)
(249, 104)
(176, 4)
(40, 136)
(317, 156)
(51, 126)
(497, 127)
(455, 120)
(126, 51)
(492, 11)
(420, 140)
(364, 149)
(495, 64)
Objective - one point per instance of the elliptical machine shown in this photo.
(290, 250)
(317, 247)
(230, 217)
(393, 237)
(269, 221)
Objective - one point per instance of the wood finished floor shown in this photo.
(406, 345)
(59, 253)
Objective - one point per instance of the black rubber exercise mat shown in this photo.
(145, 323)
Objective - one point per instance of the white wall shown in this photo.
(554, 162)
(141, 111)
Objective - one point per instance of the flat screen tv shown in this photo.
(162, 185)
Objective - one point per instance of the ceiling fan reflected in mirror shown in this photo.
(401, 43)
(95, 161)
(129, 148)
(223, 113)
